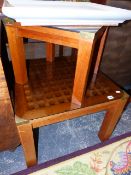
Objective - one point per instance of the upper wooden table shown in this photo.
(73, 24)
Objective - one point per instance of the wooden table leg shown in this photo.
(73, 53)
(27, 141)
(17, 53)
(61, 51)
(111, 118)
(86, 46)
(99, 56)
(50, 52)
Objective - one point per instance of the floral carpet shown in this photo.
(112, 157)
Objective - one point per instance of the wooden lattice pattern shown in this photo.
(49, 84)
(50, 87)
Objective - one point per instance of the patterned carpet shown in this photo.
(63, 138)
(112, 157)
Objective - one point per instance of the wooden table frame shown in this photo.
(112, 116)
(84, 42)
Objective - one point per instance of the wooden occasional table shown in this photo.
(57, 89)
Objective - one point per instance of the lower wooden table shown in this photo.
(61, 88)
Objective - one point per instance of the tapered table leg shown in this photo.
(111, 118)
(17, 53)
(50, 52)
(84, 57)
(61, 51)
(27, 141)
